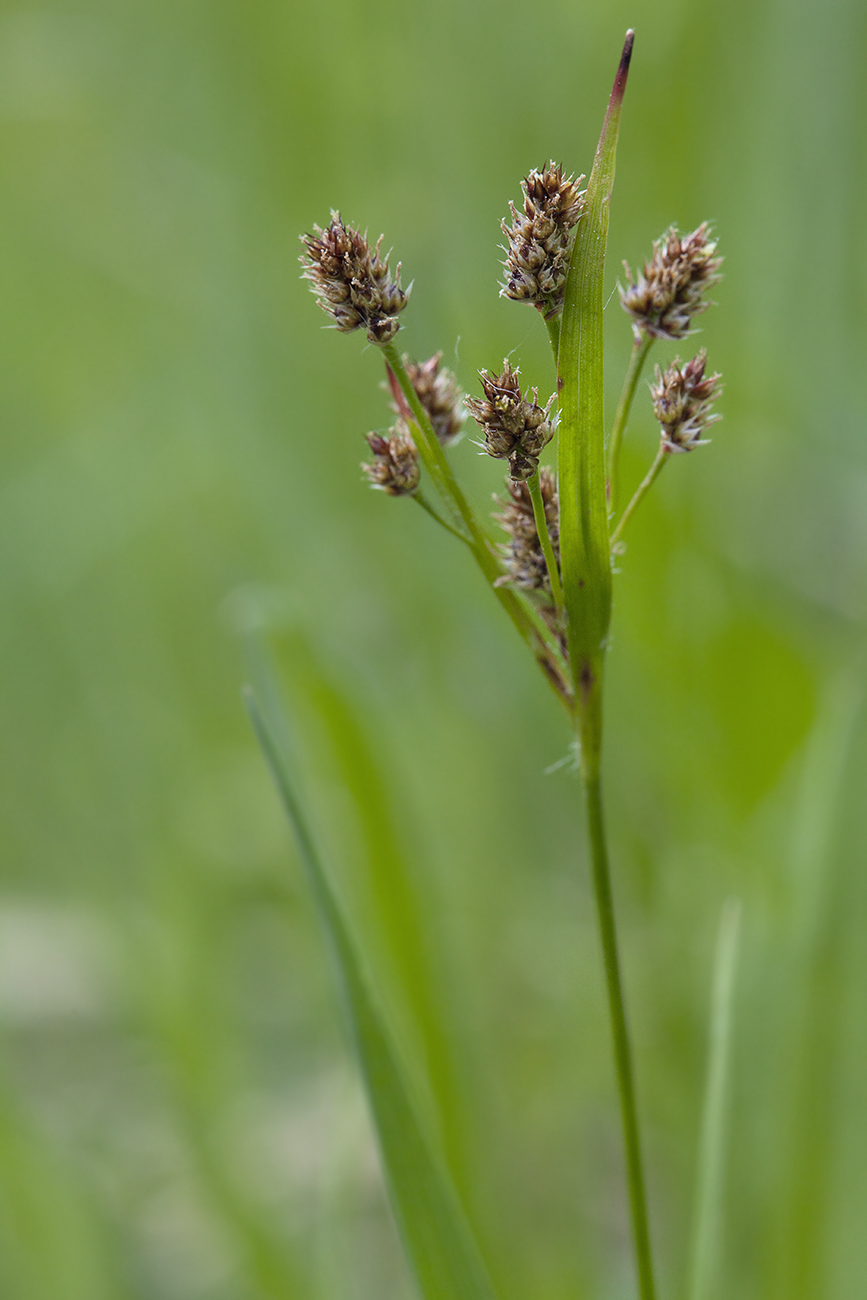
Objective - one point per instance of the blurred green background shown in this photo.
(180, 450)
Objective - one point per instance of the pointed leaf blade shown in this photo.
(435, 1234)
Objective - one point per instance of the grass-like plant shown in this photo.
(553, 577)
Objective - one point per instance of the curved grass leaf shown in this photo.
(436, 1237)
(405, 931)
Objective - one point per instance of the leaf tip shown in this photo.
(623, 68)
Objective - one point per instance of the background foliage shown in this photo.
(180, 459)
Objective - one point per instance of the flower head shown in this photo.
(351, 281)
(516, 429)
(666, 295)
(523, 555)
(394, 469)
(537, 256)
(682, 396)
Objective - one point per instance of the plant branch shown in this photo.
(545, 539)
(640, 349)
(419, 496)
(434, 460)
(553, 328)
(640, 492)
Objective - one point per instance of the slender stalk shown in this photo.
(586, 567)
(553, 327)
(420, 497)
(640, 349)
(590, 733)
(640, 492)
(545, 539)
(431, 449)
(435, 462)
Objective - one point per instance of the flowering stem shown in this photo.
(586, 567)
(430, 448)
(640, 349)
(640, 492)
(620, 1032)
(553, 327)
(434, 460)
(419, 496)
(545, 539)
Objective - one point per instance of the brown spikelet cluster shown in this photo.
(668, 293)
(523, 555)
(394, 469)
(352, 281)
(440, 395)
(682, 396)
(539, 239)
(516, 429)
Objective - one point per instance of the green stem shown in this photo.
(640, 349)
(430, 448)
(434, 460)
(553, 327)
(419, 496)
(616, 1007)
(586, 571)
(545, 539)
(640, 492)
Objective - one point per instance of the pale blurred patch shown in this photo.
(56, 962)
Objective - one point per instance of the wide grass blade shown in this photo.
(584, 546)
(707, 1230)
(404, 928)
(435, 1234)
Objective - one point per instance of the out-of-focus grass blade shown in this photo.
(436, 1237)
(821, 869)
(707, 1228)
(54, 1241)
(403, 920)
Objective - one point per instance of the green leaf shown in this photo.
(431, 1223)
(584, 550)
(405, 931)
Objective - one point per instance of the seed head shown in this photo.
(667, 294)
(537, 255)
(394, 469)
(682, 397)
(439, 394)
(351, 281)
(523, 555)
(516, 429)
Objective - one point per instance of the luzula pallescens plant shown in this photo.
(553, 574)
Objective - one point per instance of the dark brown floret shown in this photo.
(516, 429)
(682, 397)
(523, 555)
(394, 468)
(540, 238)
(351, 281)
(668, 293)
(439, 394)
